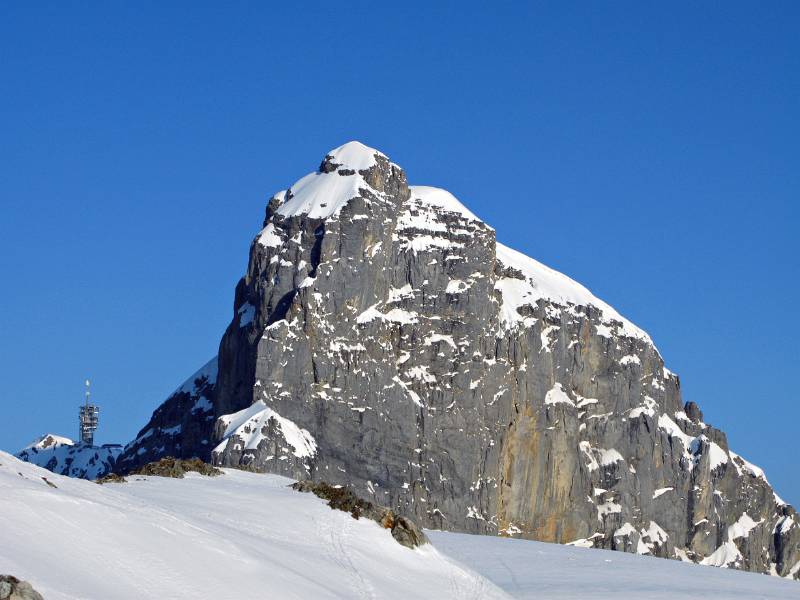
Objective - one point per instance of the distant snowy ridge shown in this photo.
(63, 456)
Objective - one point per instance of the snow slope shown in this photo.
(240, 535)
(527, 569)
(441, 199)
(540, 281)
(246, 535)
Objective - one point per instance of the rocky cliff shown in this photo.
(383, 339)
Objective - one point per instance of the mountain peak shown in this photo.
(398, 349)
(49, 440)
(343, 173)
(352, 156)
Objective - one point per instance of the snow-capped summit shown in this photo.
(48, 441)
(323, 194)
(353, 156)
(340, 178)
(66, 457)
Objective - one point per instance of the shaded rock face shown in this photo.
(181, 427)
(382, 339)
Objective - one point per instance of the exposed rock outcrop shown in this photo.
(403, 530)
(110, 478)
(382, 339)
(12, 588)
(176, 468)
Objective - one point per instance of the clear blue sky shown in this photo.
(649, 150)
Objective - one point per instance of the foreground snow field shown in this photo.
(245, 535)
(526, 569)
(240, 535)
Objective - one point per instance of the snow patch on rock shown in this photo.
(557, 395)
(542, 282)
(248, 425)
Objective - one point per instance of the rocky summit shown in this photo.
(382, 339)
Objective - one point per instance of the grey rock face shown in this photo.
(382, 339)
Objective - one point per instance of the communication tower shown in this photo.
(88, 416)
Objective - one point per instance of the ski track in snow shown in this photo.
(468, 587)
(338, 534)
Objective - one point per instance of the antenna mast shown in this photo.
(88, 416)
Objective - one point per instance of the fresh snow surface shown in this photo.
(441, 199)
(239, 535)
(247, 535)
(545, 283)
(354, 155)
(323, 195)
(535, 570)
(267, 237)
